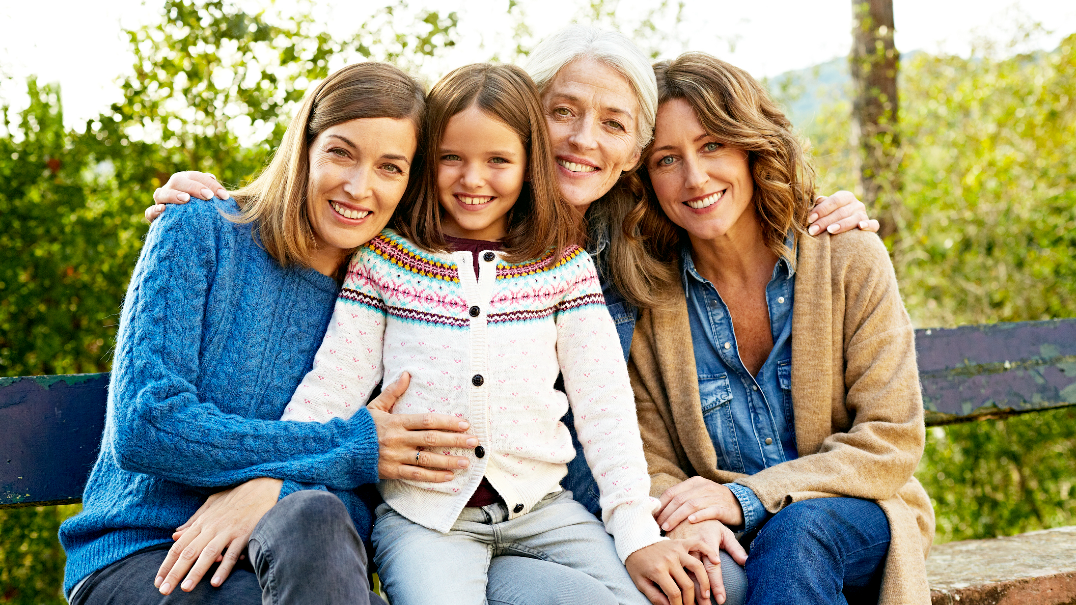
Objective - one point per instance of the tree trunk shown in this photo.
(874, 63)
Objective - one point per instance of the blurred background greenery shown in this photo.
(986, 227)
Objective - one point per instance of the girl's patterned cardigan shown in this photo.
(488, 350)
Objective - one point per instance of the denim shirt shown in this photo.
(749, 418)
(579, 479)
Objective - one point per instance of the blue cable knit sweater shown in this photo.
(214, 337)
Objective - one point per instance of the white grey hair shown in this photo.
(609, 47)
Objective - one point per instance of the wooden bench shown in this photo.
(51, 426)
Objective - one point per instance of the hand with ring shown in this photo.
(405, 441)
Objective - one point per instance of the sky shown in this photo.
(80, 44)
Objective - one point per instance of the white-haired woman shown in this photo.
(600, 101)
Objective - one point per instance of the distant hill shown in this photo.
(803, 92)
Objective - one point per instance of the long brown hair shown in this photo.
(540, 221)
(276, 201)
(735, 109)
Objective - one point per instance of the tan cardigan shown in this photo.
(855, 395)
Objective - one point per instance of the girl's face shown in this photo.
(481, 166)
(358, 173)
(702, 185)
(593, 117)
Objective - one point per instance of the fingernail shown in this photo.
(216, 580)
(186, 585)
(691, 518)
(665, 527)
(222, 194)
(461, 463)
(464, 426)
(812, 218)
(157, 581)
(207, 193)
(862, 224)
(166, 588)
(184, 197)
(833, 228)
(813, 229)
(448, 476)
(472, 442)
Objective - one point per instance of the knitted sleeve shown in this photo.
(596, 383)
(348, 365)
(157, 422)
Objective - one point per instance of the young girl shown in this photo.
(482, 301)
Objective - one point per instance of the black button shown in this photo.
(480, 452)
(518, 508)
(474, 311)
(477, 380)
(488, 257)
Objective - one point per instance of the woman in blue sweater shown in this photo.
(224, 312)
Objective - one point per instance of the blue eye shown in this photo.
(450, 157)
(666, 161)
(711, 146)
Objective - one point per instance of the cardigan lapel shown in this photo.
(682, 388)
(812, 340)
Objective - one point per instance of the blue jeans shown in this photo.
(304, 550)
(826, 550)
(413, 560)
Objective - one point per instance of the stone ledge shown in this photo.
(1036, 568)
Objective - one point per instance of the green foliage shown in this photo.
(31, 560)
(987, 234)
(1002, 477)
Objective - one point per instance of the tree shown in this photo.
(874, 62)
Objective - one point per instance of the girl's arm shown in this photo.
(596, 383)
(159, 425)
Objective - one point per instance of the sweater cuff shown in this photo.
(633, 527)
(363, 449)
(754, 514)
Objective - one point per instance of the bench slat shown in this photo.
(50, 431)
(996, 370)
(52, 425)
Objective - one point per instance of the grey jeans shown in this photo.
(304, 550)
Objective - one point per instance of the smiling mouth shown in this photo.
(346, 212)
(574, 167)
(705, 202)
(473, 200)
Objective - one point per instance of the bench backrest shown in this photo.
(50, 426)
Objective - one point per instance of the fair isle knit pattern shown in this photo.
(488, 349)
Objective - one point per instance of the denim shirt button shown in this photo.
(781, 299)
(728, 345)
(769, 441)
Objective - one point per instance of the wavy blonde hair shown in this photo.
(276, 201)
(734, 108)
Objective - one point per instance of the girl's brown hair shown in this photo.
(735, 109)
(540, 221)
(276, 201)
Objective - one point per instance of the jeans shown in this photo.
(826, 550)
(304, 550)
(418, 565)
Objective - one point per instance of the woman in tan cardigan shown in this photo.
(795, 416)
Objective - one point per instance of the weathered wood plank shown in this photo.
(50, 431)
(997, 370)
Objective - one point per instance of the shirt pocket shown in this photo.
(784, 380)
(716, 395)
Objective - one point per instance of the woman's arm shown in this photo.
(160, 425)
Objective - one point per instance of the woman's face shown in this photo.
(593, 117)
(702, 185)
(358, 174)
